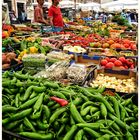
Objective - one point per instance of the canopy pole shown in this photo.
(75, 7)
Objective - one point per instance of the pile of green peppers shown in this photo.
(27, 110)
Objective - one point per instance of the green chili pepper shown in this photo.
(77, 101)
(60, 130)
(17, 100)
(51, 85)
(47, 111)
(37, 114)
(56, 114)
(116, 106)
(105, 137)
(75, 114)
(72, 122)
(38, 89)
(17, 116)
(85, 111)
(79, 135)
(37, 136)
(28, 124)
(28, 103)
(103, 110)
(41, 125)
(103, 100)
(93, 110)
(38, 103)
(69, 135)
(8, 108)
(57, 94)
(13, 125)
(93, 133)
(27, 93)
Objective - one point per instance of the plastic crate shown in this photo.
(48, 29)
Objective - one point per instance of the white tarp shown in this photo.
(122, 4)
(62, 4)
(90, 6)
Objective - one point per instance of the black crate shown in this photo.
(8, 135)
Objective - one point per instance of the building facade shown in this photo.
(16, 5)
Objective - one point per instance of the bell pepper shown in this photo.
(33, 50)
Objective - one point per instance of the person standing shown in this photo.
(128, 17)
(24, 16)
(55, 16)
(38, 13)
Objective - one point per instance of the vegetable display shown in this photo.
(40, 109)
(120, 85)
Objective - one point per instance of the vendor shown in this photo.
(38, 13)
(55, 16)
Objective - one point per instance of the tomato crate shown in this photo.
(118, 64)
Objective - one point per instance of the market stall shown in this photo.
(80, 83)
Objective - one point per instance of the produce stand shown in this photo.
(77, 83)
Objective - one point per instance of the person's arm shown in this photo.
(51, 21)
(38, 17)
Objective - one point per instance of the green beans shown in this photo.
(93, 133)
(75, 114)
(38, 103)
(103, 110)
(79, 135)
(56, 114)
(37, 136)
(69, 135)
